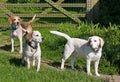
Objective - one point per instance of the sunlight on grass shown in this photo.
(52, 48)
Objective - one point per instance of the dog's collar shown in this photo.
(14, 28)
(30, 44)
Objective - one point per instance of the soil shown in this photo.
(111, 78)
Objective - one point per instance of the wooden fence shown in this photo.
(90, 8)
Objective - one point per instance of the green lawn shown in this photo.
(52, 48)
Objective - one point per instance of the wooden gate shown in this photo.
(48, 7)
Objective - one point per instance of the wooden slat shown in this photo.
(44, 15)
(62, 10)
(38, 25)
(47, 5)
(4, 9)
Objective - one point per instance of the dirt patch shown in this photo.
(111, 78)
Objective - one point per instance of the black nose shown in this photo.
(17, 23)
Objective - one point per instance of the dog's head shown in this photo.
(14, 20)
(36, 36)
(95, 42)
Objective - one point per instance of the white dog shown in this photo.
(91, 50)
(32, 49)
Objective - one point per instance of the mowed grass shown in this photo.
(11, 69)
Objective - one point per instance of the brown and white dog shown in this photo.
(17, 28)
(90, 49)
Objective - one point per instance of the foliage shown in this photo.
(109, 12)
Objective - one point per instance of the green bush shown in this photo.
(109, 12)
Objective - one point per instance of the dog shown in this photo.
(17, 27)
(32, 49)
(90, 49)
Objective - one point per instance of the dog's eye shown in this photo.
(95, 40)
(14, 19)
(37, 35)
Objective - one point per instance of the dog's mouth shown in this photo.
(40, 40)
(16, 23)
(95, 49)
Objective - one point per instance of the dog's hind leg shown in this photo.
(73, 57)
(67, 53)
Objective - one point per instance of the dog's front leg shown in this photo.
(22, 60)
(38, 63)
(96, 68)
(28, 63)
(12, 44)
(33, 61)
(88, 67)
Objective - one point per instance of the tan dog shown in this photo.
(17, 27)
(90, 49)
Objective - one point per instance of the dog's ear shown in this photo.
(10, 20)
(89, 40)
(101, 42)
(20, 20)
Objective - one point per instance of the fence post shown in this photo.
(92, 10)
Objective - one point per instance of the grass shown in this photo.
(11, 69)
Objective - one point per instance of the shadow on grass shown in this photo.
(16, 62)
(57, 65)
(6, 47)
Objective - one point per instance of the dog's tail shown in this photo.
(61, 34)
(30, 21)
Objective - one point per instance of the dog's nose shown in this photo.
(17, 23)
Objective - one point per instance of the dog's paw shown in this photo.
(20, 51)
(98, 75)
(89, 74)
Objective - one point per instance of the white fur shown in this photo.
(90, 49)
(30, 52)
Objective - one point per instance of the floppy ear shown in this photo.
(88, 43)
(10, 20)
(101, 42)
(20, 20)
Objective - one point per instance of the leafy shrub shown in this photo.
(109, 12)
